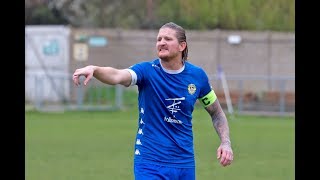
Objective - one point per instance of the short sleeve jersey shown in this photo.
(166, 101)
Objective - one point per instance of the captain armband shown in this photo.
(208, 99)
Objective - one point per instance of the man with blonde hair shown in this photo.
(169, 87)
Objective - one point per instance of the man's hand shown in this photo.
(87, 72)
(225, 154)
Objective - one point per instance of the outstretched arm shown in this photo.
(220, 123)
(108, 75)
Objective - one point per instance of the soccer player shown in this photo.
(168, 89)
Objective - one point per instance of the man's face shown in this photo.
(167, 44)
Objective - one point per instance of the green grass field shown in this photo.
(99, 145)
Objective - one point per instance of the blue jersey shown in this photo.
(166, 101)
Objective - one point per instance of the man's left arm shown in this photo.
(220, 123)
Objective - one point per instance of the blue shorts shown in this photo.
(156, 172)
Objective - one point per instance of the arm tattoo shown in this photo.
(219, 121)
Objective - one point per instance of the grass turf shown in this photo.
(99, 145)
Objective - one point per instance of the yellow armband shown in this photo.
(208, 99)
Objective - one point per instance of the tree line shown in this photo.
(276, 15)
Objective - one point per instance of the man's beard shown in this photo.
(168, 57)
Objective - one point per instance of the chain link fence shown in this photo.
(97, 96)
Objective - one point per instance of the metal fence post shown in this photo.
(39, 92)
(119, 94)
(240, 101)
(282, 96)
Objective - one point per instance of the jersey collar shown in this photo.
(173, 71)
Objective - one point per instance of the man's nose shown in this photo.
(162, 42)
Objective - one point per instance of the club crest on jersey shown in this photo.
(192, 88)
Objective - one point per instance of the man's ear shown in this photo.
(182, 46)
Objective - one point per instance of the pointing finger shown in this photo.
(76, 79)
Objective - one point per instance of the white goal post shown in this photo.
(222, 77)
